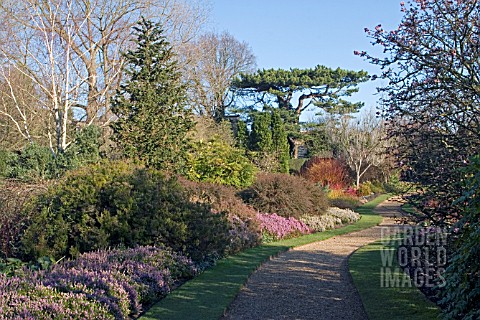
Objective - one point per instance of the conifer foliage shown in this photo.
(269, 138)
(150, 105)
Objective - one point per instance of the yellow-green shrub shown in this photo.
(217, 162)
(341, 199)
(365, 189)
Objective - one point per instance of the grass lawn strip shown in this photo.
(384, 299)
(208, 295)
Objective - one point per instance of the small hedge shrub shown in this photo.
(244, 229)
(119, 204)
(14, 198)
(285, 195)
(36, 162)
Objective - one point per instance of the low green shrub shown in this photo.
(395, 185)
(296, 164)
(113, 204)
(7, 159)
(285, 195)
(377, 187)
(36, 162)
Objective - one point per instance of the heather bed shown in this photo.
(105, 284)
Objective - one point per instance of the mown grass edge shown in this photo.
(375, 276)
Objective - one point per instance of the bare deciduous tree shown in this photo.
(360, 142)
(212, 62)
(71, 51)
(20, 122)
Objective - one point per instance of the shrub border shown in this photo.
(209, 295)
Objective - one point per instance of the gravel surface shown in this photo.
(311, 281)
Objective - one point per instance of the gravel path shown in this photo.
(311, 281)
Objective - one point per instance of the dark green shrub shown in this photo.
(296, 164)
(461, 295)
(244, 228)
(34, 162)
(84, 150)
(7, 159)
(377, 187)
(395, 185)
(120, 204)
(285, 195)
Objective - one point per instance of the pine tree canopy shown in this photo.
(321, 87)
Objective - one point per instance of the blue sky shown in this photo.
(303, 33)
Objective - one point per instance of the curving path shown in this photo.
(311, 281)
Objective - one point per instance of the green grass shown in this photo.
(208, 295)
(382, 298)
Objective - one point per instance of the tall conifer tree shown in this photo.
(261, 135)
(279, 141)
(152, 116)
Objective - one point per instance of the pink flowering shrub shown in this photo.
(275, 227)
(106, 284)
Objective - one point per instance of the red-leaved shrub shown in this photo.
(326, 172)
